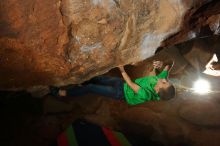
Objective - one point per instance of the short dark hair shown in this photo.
(168, 93)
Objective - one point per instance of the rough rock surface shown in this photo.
(69, 41)
(196, 20)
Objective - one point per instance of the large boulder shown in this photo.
(59, 42)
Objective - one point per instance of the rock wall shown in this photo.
(59, 42)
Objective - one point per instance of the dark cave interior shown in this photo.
(32, 117)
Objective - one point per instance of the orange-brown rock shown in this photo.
(59, 42)
(32, 38)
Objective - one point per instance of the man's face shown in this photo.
(163, 83)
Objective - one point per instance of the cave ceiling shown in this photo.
(59, 42)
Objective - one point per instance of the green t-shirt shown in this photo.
(146, 91)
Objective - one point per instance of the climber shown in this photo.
(154, 87)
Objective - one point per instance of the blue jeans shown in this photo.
(102, 85)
